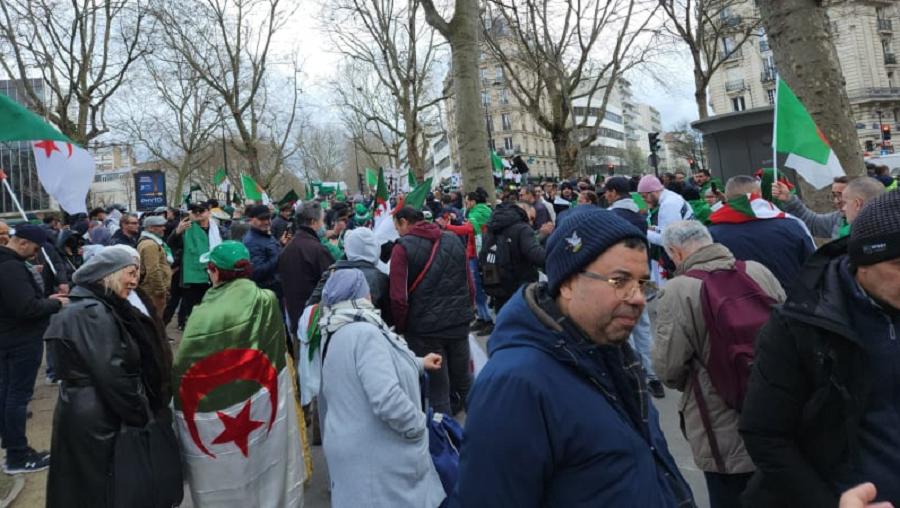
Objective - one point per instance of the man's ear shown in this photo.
(566, 291)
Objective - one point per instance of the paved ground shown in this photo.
(316, 494)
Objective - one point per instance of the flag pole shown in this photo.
(775, 135)
(24, 215)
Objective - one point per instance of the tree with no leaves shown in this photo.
(548, 50)
(463, 32)
(322, 153)
(390, 40)
(800, 34)
(713, 33)
(81, 50)
(227, 43)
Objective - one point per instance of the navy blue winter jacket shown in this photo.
(781, 245)
(546, 425)
(264, 250)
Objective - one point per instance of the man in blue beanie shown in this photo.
(560, 415)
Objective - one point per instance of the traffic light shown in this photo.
(885, 132)
(653, 139)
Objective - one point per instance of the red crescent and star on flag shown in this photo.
(219, 369)
(49, 146)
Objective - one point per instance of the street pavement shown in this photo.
(316, 495)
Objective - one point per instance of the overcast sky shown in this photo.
(674, 100)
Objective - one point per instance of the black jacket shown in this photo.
(377, 281)
(264, 249)
(100, 371)
(300, 267)
(119, 238)
(24, 312)
(441, 305)
(526, 253)
(807, 391)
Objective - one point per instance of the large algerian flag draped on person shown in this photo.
(796, 134)
(65, 169)
(242, 434)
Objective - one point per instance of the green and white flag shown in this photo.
(221, 180)
(65, 169)
(253, 190)
(236, 411)
(796, 134)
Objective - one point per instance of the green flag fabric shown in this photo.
(236, 198)
(639, 201)
(496, 161)
(416, 198)
(290, 197)
(17, 123)
(411, 179)
(371, 178)
(195, 187)
(220, 176)
(339, 194)
(796, 134)
(381, 191)
(252, 190)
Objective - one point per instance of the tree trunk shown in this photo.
(566, 157)
(799, 34)
(700, 94)
(474, 157)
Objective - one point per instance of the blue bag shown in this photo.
(444, 441)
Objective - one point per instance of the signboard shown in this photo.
(150, 190)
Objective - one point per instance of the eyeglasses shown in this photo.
(626, 287)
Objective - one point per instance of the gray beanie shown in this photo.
(875, 234)
(108, 260)
(154, 220)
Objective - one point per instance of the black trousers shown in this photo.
(448, 387)
(725, 489)
(174, 299)
(191, 295)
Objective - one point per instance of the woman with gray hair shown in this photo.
(375, 433)
(113, 375)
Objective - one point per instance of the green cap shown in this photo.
(226, 255)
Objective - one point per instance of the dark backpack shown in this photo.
(734, 309)
(495, 266)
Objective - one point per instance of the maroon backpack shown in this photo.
(734, 309)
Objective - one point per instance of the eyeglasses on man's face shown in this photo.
(624, 286)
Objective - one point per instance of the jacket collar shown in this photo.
(818, 296)
(709, 257)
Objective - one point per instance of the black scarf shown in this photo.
(144, 333)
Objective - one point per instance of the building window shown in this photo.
(771, 95)
(504, 96)
(737, 104)
(498, 74)
(485, 98)
(505, 123)
(507, 143)
(728, 45)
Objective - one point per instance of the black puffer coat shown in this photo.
(99, 366)
(526, 254)
(377, 281)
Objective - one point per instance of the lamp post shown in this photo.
(224, 154)
(880, 128)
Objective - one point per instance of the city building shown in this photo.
(114, 177)
(865, 35)
(17, 161)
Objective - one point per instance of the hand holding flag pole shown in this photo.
(24, 215)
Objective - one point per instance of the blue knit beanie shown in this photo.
(583, 235)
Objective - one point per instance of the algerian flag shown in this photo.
(384, 229)
(639, 201)
(253, 190)
(290, 198)
(496, 161)
(796, 134)
(411, 179)
(221, 180)
(310, 193)
(416, 198)
(236, 413)
(371, 178)
(746, 208)
(65, 169)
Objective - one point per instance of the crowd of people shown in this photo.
(595, 293)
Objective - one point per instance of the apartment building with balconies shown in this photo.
(866, 35)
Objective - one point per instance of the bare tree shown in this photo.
(800, 35)
(714, 32)
(82, 52)
(228, 44)
(547, 49)
(370, 113)
(173, 117)
(391, 40)
(463, 32)
(322, 153)
(685, 144)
